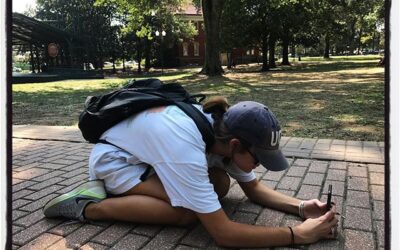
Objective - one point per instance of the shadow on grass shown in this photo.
(153, 74)
(335, 105)
(344, 58)
(61, 107)
(334, 66)
(309, 108)
(304, 67)
(141, 76)
(306, 109)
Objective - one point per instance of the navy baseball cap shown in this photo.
(253, 123)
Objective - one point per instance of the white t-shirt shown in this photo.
(169, 140)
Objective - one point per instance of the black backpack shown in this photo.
(104, 111)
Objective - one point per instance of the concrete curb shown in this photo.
(321, 149)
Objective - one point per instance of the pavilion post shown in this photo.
(32, 61)
(37, 59)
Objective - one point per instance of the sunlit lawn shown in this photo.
(341, 98)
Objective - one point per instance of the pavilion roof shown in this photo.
(27, 30)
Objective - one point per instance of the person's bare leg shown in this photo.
(149, 203)
(139, 208)
(145, 203)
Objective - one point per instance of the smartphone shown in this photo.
(329, 201)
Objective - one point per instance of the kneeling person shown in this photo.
(155, 169)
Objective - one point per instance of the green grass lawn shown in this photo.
(338, 98)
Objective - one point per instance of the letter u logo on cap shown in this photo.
(276, 137)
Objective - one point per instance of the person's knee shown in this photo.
(95, 211)
(221, 181)
(187, 217)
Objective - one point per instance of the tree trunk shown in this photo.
(229, 59)
(373, 41)
(139, 56)
(378, 40)
(101, 54)
(147, 55)
(271, 46)
(351, 38)
(139, 69)
(359, 41)
(114, 69)
(264, 48)
(360, 34)
(285, 52)
(293, 50)
(327, 46)
(212, 10)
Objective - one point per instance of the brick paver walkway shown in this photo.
(48, 161)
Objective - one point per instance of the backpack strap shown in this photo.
(109, 143)
(201, 122)
(200, 96)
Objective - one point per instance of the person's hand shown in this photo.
(312, 230)
(314, 208)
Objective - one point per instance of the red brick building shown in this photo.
(192, 51)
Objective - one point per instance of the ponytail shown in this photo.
(217, 106)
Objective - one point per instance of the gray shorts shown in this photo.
(119, 170)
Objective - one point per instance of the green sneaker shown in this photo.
(72, 204)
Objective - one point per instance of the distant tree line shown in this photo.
(126, 29)
(303, 27)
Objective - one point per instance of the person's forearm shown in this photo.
(247, 236)
(268, 197)
(232, 234)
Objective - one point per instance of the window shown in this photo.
(196, 49)
(185, 49)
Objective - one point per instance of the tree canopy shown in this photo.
(126, 29)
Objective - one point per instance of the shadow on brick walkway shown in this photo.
(49, 161)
